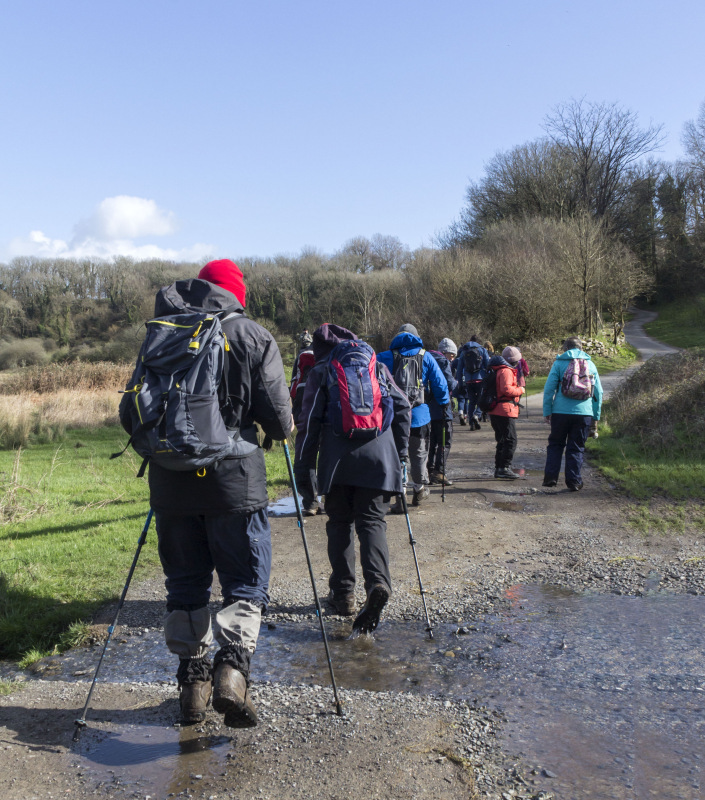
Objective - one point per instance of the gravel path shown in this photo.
(488, 537)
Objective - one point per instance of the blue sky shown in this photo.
(184, 129)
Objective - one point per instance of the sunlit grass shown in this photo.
(72, 518)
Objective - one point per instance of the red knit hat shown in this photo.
(226, 274)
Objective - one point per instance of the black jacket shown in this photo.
(373, 464)
(258, 392)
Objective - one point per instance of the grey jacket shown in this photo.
(258, 392)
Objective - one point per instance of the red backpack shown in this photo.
(360, 406)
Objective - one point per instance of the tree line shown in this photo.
(559, 235)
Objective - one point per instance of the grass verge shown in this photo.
(681, 323)
(69, 523)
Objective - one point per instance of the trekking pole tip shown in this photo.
(339, 708)
(80, 724)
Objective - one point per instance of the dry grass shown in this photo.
(53, 378)
(661, 405)
(33, 416)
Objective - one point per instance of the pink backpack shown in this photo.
(578, 382)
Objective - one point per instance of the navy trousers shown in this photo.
(569, 432)
(237, 546)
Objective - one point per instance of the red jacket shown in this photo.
(508, 393)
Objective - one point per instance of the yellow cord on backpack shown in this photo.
(201, 473)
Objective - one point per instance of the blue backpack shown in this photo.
(359, 406)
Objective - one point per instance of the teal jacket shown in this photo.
(555, 402)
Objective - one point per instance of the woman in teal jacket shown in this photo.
(570, 420)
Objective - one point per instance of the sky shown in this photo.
(220, 128)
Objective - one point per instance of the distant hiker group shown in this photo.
(208, 393)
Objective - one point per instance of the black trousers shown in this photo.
(362, 510)
(505, 434)
(437, 458)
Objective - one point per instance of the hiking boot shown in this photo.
(396, 507)
(506, 472)
(476, 424)
(549, 481)
(231, 697)
(368, 618)
(574, 486)
(434, 477)
(461, 419)
(343, 605)
(420, 496)
(193, 700)
(443, 480)
(310, 511)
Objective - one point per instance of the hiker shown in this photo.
(358, 468)
(523, 371)
(416, 373)
(302, 366)
(505, 410)
(572, 401)
(441, 421)
(474, 361)
(216, 517)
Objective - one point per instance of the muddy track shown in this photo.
(423, 719)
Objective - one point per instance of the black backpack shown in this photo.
(488, 395)
(472, 361)
(407, 372)
(174, 403)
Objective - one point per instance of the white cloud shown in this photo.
(125, 217)
(110, 231)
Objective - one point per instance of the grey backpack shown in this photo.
(407, 372)
(173, 405)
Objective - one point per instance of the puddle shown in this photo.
(167, 759)
(509, 505)
(605, 692)
(285, 507)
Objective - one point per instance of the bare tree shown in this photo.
(602, 141)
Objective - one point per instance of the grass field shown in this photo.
(70, 519)
(681, 324)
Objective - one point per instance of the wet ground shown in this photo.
(605, 692)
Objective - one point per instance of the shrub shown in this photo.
(22, 352)
(661, 404)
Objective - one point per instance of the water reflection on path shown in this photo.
(605, 692)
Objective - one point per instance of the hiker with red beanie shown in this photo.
(503, 415)
(216, 518)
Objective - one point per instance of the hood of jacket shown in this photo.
(327, 336)
(406, 343)
(497, 361)
(569, 355)
(194, 295)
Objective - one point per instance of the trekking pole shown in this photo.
(81, 721)
(412, 542)
(443, 444)
(319, 613)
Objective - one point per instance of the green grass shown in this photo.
(644, 473)
(681, 323)
(8, 687)
(70, 519)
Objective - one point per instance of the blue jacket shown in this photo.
(432, 377)
(555, 402)
(479, 374)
